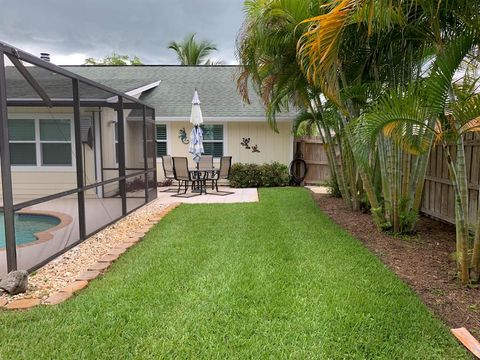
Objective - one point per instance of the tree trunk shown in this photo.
(459, 181)
(476, 246)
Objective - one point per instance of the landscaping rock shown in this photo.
(109, 258)
(99, 266)
(75, 286)
(58, 298)
(16, 282)
(3, 302)
(22, 304)
(88, 275)
(116, 252)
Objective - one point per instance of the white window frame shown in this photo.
(38, 142)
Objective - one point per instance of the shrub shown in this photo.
(253, 175)
(333, 188)
(165, 183)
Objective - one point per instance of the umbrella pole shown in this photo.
(198, 163)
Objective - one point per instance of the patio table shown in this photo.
(200, 177)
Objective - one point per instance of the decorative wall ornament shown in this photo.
(255, 149)
(246, 144)
(182, 135)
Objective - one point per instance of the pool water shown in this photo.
(26, 226)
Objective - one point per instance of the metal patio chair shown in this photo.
(182, 175)
(206, 162)
(167, 165)
(222, 174)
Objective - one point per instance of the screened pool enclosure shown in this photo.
(76, 156)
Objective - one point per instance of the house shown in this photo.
(42, 150)
(228, 120)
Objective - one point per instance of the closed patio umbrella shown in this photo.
(196, 135)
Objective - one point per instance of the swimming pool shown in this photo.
(26, 225)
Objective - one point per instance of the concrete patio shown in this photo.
(238, 196)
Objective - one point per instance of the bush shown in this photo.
(253, 175)
(333, 188)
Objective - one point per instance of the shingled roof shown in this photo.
(216, 86)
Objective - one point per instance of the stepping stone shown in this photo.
(125, 245)
(133, 240)
(22, 304)
(139, 234)
(116, 251)
(99, 266)
(3, 302)
(58, 298)
(108, 258)
(75, 286)
(87, 276)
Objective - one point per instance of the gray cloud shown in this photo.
(99, 27)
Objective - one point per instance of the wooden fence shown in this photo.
(311, 147)
(438, 197)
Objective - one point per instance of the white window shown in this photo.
(55, 142)
(23, 148)
(213, 139)
(40, 142)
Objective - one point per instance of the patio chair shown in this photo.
(206, 162)
(167, 165)
(182, 175)
(222, 174)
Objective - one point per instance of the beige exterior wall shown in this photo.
(273, 146)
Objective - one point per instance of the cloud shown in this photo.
(95, 28)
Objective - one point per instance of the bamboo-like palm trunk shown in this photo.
(385, 176)
(327, 139)
(476, 246)
(459, 180)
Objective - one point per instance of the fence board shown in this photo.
(438, 197)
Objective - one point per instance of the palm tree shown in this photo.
(266, 48)
(191, 52)
(435, 107)
(384, 43)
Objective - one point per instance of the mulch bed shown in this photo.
(423, 261)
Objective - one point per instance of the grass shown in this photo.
(275, 279)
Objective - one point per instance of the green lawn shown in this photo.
(275, 279)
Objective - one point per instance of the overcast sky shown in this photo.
(73, 30)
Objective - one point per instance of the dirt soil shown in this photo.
(423, 261)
